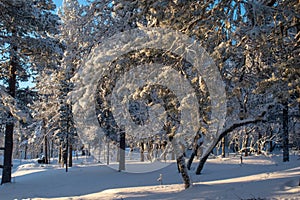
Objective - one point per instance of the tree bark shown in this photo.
(9, 129)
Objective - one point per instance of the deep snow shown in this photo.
(260, 177)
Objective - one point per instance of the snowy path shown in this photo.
(259, 177)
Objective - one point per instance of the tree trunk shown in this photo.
(9, 129)
(25, 152)
(223, 146)
(70, 155)
(285, 138)
(45, 145)
(190, 161)
(196, 144)
(201, 164)
(122, 150)
(173, 155)
(259, 144)
(107, 153)
(223, 134)
(142, 152)
(118, 153)
(245, 143)
(52, 148)
(8, 148)
(271, 148)
(180, 162)
(183, 171)
(60, 160)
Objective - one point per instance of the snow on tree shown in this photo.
(84, 26)
(26, 45)
(275, 31)
(46, 106)
(244, 39)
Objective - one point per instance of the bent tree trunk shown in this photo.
(190, 161)
(201, 164)
(224, 132)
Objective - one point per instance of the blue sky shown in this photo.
(58, 2)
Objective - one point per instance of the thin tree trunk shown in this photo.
(190, 161)
(9, 129)
(52, 148)
(142, 152)
(201, 164)
(223, 147)
(45, 142)
(228, 130)
(173, 155)
(107, 152)
(60, 160)
(196, 145)
(259, 144)
(122, 150)
(285, 141)
(70, 155)
(25, 152)
(245, 143)
(271, 148)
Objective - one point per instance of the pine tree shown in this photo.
(46, 106)
(26, 44)
(237, 34)
(72, 40)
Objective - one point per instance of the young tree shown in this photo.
(46, 106)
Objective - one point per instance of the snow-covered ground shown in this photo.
(259, 177)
